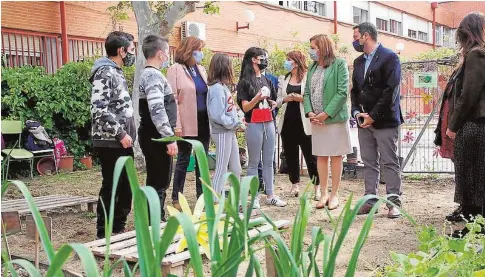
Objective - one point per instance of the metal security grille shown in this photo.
(420, 107)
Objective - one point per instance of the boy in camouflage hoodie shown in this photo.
(158, 116)
(113, 125)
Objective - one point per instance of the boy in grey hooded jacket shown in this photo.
(113, 125)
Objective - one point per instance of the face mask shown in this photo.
(129, 59)
(357, 46)
(263, 64)
(165, 63)
(288, 65)
(198, 56)
(313, 54)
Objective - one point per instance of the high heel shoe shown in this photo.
(333, 203)
(295, 191)
(322, 203)
(318, 194)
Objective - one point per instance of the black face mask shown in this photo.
(263, 64)
(129, 59)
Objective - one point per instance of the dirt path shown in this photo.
(428, 201)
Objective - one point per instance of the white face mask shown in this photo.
(166, 63)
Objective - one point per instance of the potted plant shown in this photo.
(66, 163)
(87, 161)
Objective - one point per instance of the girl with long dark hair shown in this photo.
(257, 98)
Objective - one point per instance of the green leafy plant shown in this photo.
(59, 101)
(440, 255)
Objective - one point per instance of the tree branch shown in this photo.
(177, 11)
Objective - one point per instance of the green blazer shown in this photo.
(336, 87)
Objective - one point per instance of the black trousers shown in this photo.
(159, 166)
(183, 160)
(293, 138)
(122, 206)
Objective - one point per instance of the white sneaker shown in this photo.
(275, 201)
(257, 205)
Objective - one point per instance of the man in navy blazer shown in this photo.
(376, 107)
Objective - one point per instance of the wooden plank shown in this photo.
(31, 228)
(174, 270)
(22, 200)
(11, 223)
(53, 206)
(124, 245)
(270, 264)
(131, 251)
(24, 206)
(280, 224)
(44, 202)
(47, 197)
(123, 236)
(92, 207)
(116, 238)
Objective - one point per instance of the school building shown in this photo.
(32, 32)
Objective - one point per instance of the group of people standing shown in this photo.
(313, 116)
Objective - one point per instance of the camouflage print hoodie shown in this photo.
(111, 105)
(158, 109)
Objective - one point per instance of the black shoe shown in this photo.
(458, 234)
(458, 215)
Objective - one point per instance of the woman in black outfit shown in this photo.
(467, 122)
(445, 144)
(294, 127)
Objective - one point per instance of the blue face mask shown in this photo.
(198, 56)
(313, 54)
(165, 64)
(288, 65)
(357, 46)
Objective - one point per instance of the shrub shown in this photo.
(61, 102)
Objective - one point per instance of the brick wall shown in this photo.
(458, 10)
(273, 25)
(34, 16)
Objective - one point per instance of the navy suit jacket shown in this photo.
(377, 93)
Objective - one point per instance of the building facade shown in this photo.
(32, 31)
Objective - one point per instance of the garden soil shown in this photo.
(426, 200)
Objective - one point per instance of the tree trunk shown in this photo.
(150, 24)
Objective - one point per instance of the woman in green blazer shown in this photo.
(325, 103)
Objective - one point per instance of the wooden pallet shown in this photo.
(48, 202)
(124, 246)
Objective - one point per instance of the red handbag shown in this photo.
(261, 116)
